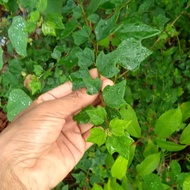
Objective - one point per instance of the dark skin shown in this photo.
(43, 143)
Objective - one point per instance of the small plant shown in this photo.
(141, 130)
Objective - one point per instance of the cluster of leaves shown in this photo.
(141, 133)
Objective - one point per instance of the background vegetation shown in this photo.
(143, 46)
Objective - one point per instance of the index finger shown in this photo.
(62, 90)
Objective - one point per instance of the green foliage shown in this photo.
(142, 126)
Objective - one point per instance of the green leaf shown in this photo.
(136, 29)
(17, 102)
(86, 57)
(1, 58)
(106, 64)
(81, 35)
(119, 168)
(54, 7)
(186, 183)
(118, 126)
(170, 146)
(131, 59)
(93, 6)
(96, 187)
(41, 5)
(168, 123)
(150, 148)
(185, 110)
(82, 116)
(18, 36)
(38, 70)
(152, 182)
(130, 115)
(93, 85)
(149, 164)
(97, 136)
(97, 115)
(185, 136)
(56, 19)
(120, 145)
(69, 28)
(32, 21)
(82, 78)
(48, 28)
(114, 95)
(112, 185)
(106, 27)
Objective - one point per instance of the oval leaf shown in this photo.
(129, 115)
(119, 168)
(18, 101)
(170, 146)
(149, 164)
(168, 123)
(18, 35)
(114, 95)
(185, 136)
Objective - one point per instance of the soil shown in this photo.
(3, 121)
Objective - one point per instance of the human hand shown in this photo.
(43, 143)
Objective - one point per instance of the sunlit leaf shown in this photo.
(120, 145)
(186, 183)
(119, 168)
(148, 165)
(97, 136)
(170, 146)
(185, 110)
(118, 126)
(185, 136)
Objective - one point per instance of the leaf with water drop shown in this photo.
(121, 145)
(114, 95)
(86, 57)
(18, 35)
(18, 101)
(106, 27)
(106, 64)
(81, 35)
(82, 78)
(135, 29)
(130, 53)
(97, 115)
